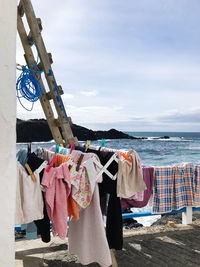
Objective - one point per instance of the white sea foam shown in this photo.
(146, 220)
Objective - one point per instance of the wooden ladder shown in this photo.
(60, 127)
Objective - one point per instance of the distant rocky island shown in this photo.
(37, 130)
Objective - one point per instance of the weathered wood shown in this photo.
(20, 9)
(114, 261)
(39, 21)
(50, 58)
(30, 39)
(40, 67)
(51, 81)
(57, 123)
(49, 95)
(29, 57)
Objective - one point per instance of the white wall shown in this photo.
(8, 22)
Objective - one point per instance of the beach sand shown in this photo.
(158, 245)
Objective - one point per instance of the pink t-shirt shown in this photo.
(58, 187)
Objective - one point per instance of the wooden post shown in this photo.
(187, 216)
(114, 261)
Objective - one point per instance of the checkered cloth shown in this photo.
(176, 188)
(196, 186)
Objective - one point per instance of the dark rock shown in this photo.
(33, 131)
(113, 134)
(37, 130)
(162, 137)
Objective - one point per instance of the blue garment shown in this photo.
(22, 157)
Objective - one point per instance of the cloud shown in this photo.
(92, 114)
(176, 116)
(89, 93)
(67, 96)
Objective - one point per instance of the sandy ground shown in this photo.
(158, 245)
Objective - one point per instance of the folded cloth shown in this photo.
(130, 178)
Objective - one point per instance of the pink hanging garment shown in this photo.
(58, 187)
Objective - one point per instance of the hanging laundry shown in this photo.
(87, 238)
(146, 194)
(58, 187)
(130, 177)
(90, 228)
(61, 159)
(72, 208)
(43, 225)
(81, 190)
(114, 225)
(195, 183)
(39, 152)
(89, 161)
(72, 205)
(29, 202)
(22, 157)
(173, 188)
(48, 155)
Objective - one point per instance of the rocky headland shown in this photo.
(37, 130)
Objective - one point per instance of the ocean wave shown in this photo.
(171, 139)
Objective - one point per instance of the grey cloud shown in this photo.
(181, 117)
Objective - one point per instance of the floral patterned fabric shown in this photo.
(81, 190)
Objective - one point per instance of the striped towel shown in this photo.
(174, 188)
(196, 186)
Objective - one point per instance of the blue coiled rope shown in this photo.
(28, 86)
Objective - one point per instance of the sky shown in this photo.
(129, 65)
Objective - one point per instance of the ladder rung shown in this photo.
(21, 9)
(57, 123)
(39, 21)
(60, 90)
(40, 67)
(50, 58)
(30, 39)
(49, 94)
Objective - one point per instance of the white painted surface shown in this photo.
(187, 216)
(8, 22)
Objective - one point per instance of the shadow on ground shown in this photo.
(173, 248)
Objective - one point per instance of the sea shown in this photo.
(153, 151)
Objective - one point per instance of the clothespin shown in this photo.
(30, 172)
(51, 163)
(57, 149)
(79, 162)
(87, 145)
(125, 156)
(72, 147)
(102, 143)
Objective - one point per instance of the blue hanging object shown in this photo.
(102, 143)
(28, 86)
(57, 149)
